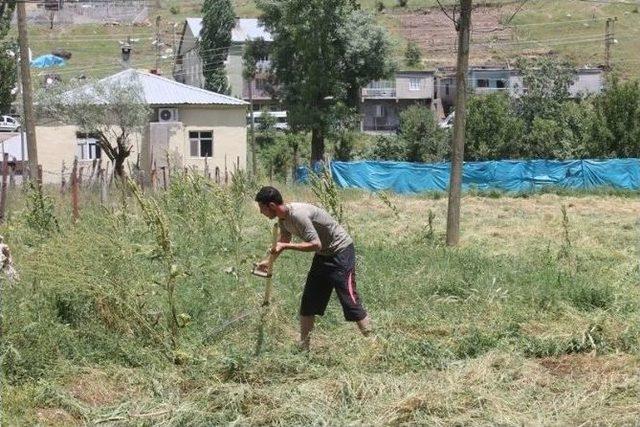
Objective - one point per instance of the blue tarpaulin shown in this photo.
(47, 61)
(507, 175)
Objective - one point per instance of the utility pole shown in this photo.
(27, 91)
(463, 26)
(609, 40)
(158, 44)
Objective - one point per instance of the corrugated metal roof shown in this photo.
(160, 90)
(245, 29)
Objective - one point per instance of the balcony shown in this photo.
(379, 93)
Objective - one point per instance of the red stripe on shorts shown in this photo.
(350, 287)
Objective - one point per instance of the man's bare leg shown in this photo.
(365, 326)
(306, 326)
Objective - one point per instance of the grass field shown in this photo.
(532, 320)
(541, 27)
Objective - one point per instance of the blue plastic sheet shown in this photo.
(507, 175)
(47, 61)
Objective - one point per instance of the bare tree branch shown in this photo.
(452, 18)
(516, 12)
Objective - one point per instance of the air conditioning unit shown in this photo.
(167, 115)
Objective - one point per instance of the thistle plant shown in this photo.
(326, 190)
(157, 222)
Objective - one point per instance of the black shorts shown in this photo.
(329, 272)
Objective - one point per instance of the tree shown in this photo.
(617, 126)
(547, 82)
(254, 51)
(112, 110)
(412, 56)
(8, 69)
(424, 141)
(493, 131)
(323, 51)
(218, 19)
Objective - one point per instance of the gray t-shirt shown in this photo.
(309, 222)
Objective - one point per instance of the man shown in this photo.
(333, 265)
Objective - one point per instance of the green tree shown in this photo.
(616, 132)
(114, 111)
(218, 19)
(424, 141)
(322, 53)
(412, 55)
(8, 69)
(492, 129)
(547, 82)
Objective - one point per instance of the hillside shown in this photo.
(571, 28)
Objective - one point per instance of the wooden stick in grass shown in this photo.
(266, 302)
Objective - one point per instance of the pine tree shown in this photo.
(217, 22)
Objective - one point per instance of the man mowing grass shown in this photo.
(334, 264)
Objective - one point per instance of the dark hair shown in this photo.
(267, 195)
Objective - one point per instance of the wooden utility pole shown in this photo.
(463, 26)
(27, 91)
(158, 51)
(609, 39)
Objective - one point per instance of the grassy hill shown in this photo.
(572, 28)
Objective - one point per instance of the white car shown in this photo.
(9, 124)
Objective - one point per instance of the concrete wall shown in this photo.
(229, 128)
(426, 86)
(58, 143)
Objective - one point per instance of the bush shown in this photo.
(616, 132)
(424, 141)
(175, 10)
(412, 55)
(492, 129)
(380, 5)
(403, 3)
(386, 147)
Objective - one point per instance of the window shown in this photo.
(414, 83)
(446, 89)
(381, 111)
(501, 84)
(88, 147)
(483, 83)
(201, 143)
(261, 84)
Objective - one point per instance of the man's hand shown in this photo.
(278, 248)
(263, 265)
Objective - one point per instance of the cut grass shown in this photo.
(467, 335)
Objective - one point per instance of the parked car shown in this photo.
(9, 124)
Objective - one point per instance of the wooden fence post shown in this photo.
(206, 168)
(74, 190)
(12, 178)
(40, 177)
(217, 175)
(63, 180)
(154, 177)
(103, 187)
(164, 178)
(3, 196)
(226, 172)
(79, 178)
